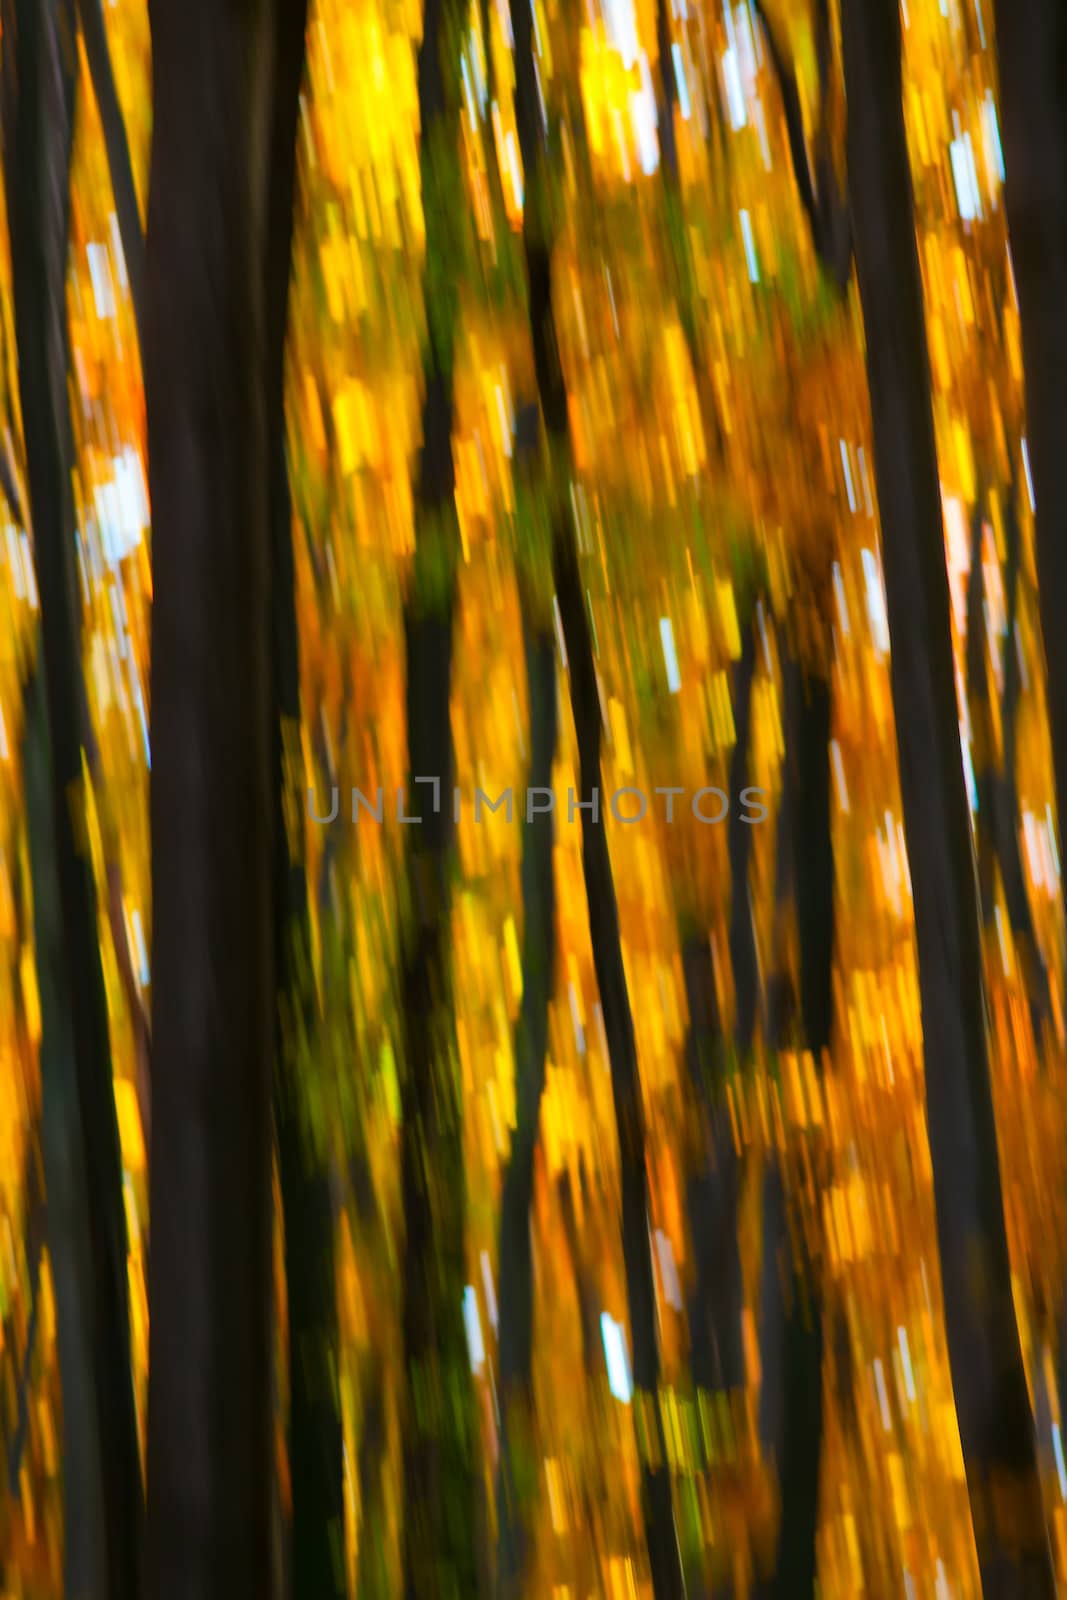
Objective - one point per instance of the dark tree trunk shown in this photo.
(515, 1259)
(440, 1482)
(981, 725)
(123, 188)
(315, 1435)
(992, 1404)
(39, 61)
(316, 1565)
(657, 1504)
(1032, 57)
(808, 719)
(791, 1299)
(744, 957)
(714, 1309)
(68, 1209)
(210, 1277)
(664, 1554)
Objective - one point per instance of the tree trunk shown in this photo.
(1032, 57)
(664, 1554)
(39, 61)
(744, 956)
(210, 1277)
(997, 820)
(992, 1405)
(818, 190)
(657, 1504)
(68, 1208)
(316, 1565)
(123, 188)
(440, 1486)
(791, 1296)
(714, 1309)
(515, 1259)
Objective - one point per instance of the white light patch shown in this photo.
(876, 604)
(475, 1343)
(490, 1291)
(1034, 853)
(745, 40)
(683, 88)
(117, 252)
(576, 1018)
(515, 170)
(668, 1271)
(468, 94)
(670, 655)
(14, 561)
(100, 275)
(614, 1337)
(905, 1357)
(968, 772)
(559, 632)
(622, 30)
(735, 95)
(883, 1397)
(138, 700)
(1051, 831)
(31, 576)
(505, 430)
(965, 179)
(991, 130)
(842, 607)
(750, 247)
(645, 118)
(845, 463)
(142, 953)
(480, 85)
(1057, 1449)
(1029, 479)
(868, 503)
(1003, 943)
(839, 776)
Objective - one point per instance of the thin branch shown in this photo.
(824, 206)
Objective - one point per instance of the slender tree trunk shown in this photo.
(316, 1565)
(792, 1313)
(1032, 58)
(992, 1404)
(714, 1309)
(515, 1257)
(210, 1278)
(677, 230)
(744, 956)
(664, 1554)
(440, 1484)
(39, 86)
(997, 821)
(69, 1244)
(94, 36)
(657, 1506)
(819, 192)
(981, 726)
